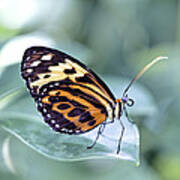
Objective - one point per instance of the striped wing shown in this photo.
(71, 97)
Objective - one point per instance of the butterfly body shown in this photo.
(71, 98)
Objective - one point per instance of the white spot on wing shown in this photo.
(28, 58)
(57, 126)
(64, 130)
(35, 63)
(29, 70)
(40, 104)
(53, 121)
(47, 57)
(56, 84)
(49, 115)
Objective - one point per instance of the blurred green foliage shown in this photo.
(118, 38)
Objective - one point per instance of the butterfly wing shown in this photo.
(71, 97)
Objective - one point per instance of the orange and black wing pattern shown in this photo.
(71, 98)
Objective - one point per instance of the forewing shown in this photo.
(42, 65)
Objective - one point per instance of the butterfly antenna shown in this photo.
(143, 71)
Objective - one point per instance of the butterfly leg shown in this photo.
(127, 115)
(100, 131)
(121, 136)
(108, 122)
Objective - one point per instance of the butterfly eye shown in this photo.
(125, 99)
(128, 101)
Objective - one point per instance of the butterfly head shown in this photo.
(121, 103)
(126, 100)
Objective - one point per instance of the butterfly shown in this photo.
(71, 97)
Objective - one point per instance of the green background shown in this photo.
(116, 39)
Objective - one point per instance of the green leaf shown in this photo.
(57, 146)
(42, 139)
